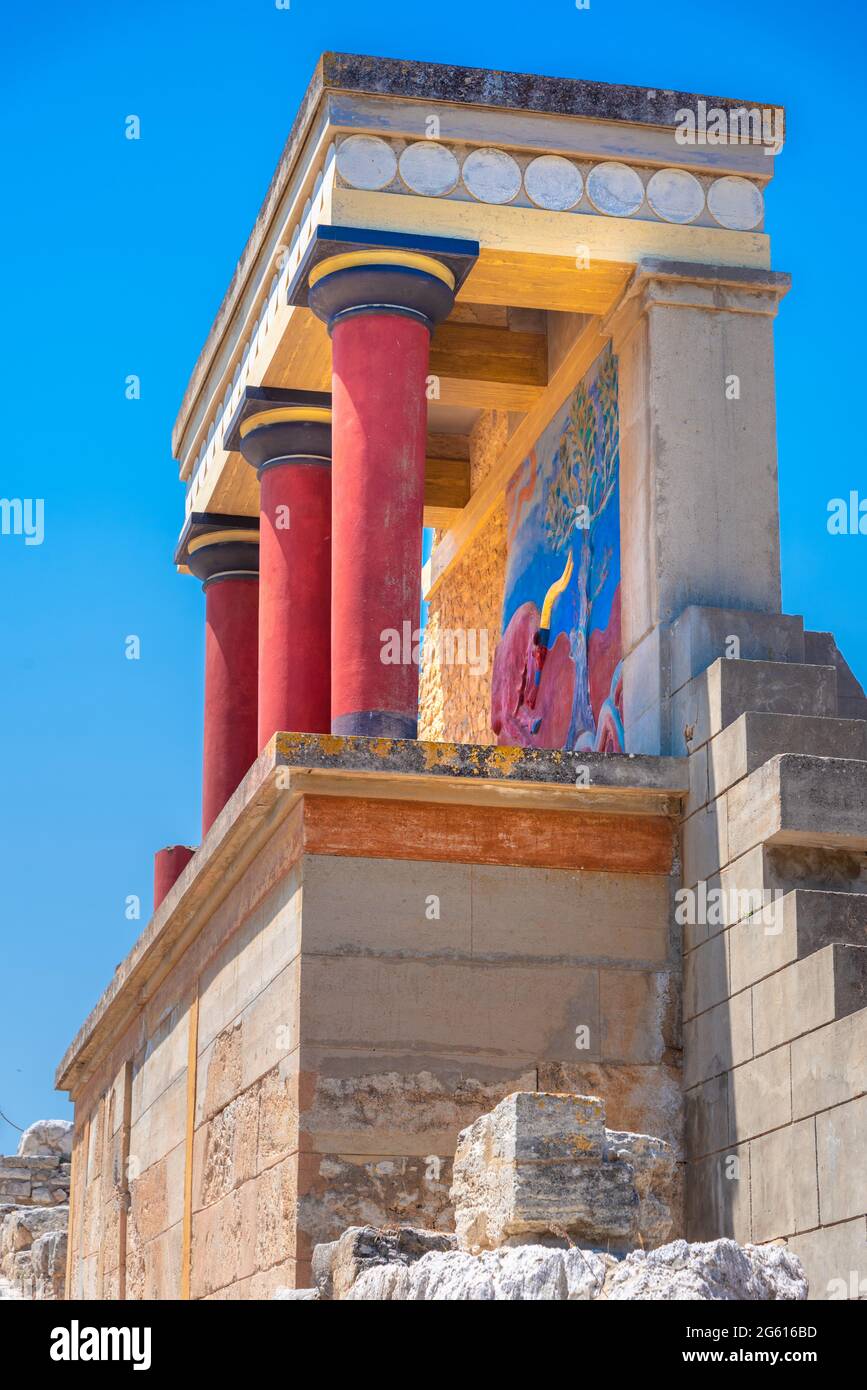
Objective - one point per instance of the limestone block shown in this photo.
(545, 1164)
(47, 1137)
(829, 1066)
(24, 1224)
(841, 1142)
(827, 985)
(48, 1263)
(718, 1039)
(756, 737)
(798, 800)
(835, 1259)
(760, 1097)
(698, 636)
(705, 842)
(783, 1181)
(639, 1015)
(706, 976)
(709, 702)
(707, 1117)
(794, 927)
(718, 1195)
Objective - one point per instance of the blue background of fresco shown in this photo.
(533, 564)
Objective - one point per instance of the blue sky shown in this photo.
(115, 255)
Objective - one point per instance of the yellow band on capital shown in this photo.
(213, 537)
(315, 415)
(409, 259)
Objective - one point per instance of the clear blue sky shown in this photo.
(115, 256)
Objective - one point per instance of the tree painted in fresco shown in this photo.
(584, 484)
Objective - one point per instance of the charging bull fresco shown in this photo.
(557, 678)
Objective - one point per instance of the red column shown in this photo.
(231, 650)
(381, 304)
(295, 600)
(379, 372)
(223, 552)
(169, 864)
(286, 436)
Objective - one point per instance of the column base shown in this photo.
(375, 723)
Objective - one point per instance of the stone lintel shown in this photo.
(297, 766)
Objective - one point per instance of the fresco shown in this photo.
(557, 678)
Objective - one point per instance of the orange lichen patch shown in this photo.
(440, 755)
(503, 760)
(381, 747)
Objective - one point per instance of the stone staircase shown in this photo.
(775, 941)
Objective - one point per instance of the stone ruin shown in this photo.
(34, 1212)
(551, 1205)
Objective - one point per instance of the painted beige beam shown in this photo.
(585, 349)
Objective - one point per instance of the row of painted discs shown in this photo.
(551, 182)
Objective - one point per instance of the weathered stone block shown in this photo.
(783, 1182)
(793, 927)
(760, 1098)
(709, 702)
(841, 1143)
(699, 636)
(829, 984)
(799, 800)
(545, 1164)
(830, 1065)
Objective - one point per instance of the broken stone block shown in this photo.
(718, 1270)
(337, 1265)
(46, 1137)
(48, 1263)
(296, 1295)
(544, 1166)
(22, 1226)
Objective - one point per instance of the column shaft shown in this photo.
(231, 646)
(380, 365)
(294, 599)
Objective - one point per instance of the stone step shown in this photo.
(828, 985)
(801, 800)
(757, 736)
(791, 927)
(711, 701)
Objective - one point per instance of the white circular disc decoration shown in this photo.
(615, 189)
(429, 168)
(365, 161)
(675, 195)
(492, 176)
(736, 203)
(553, 183)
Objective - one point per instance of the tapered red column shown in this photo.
(381, 305)
(286, 436)
(224, 553)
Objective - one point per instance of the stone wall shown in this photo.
(382, 973)
(455, 699)
(34, 1196)
(775, 972)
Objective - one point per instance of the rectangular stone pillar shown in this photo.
(698, 482)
